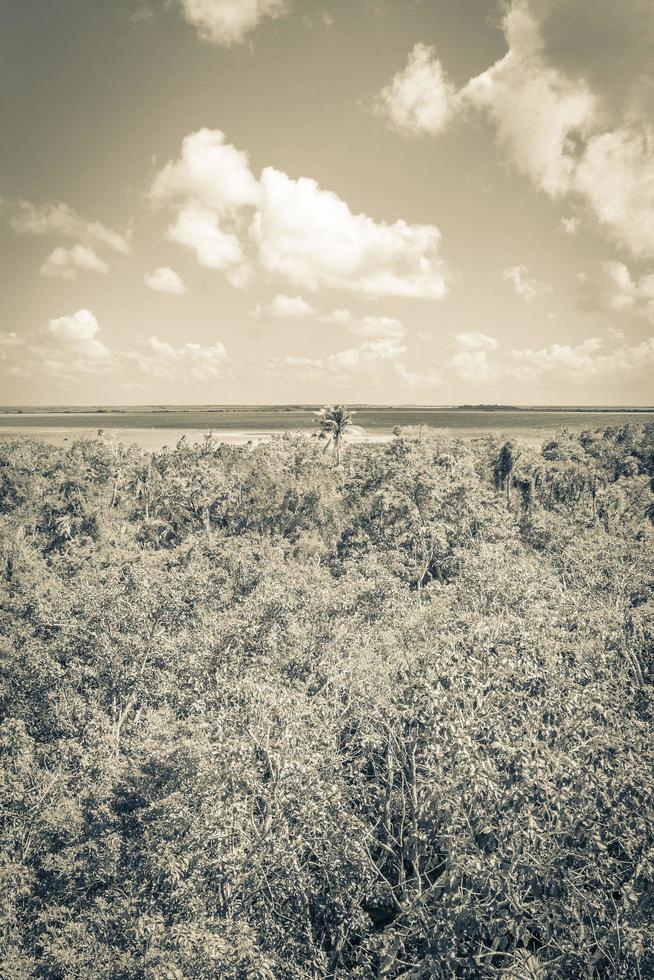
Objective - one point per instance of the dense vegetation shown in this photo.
(266, 716)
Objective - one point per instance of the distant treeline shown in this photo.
(267, 715)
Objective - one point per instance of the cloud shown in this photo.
(77, 335)
(65, 263)
(419, 99)
(577, 129)
(365, 358)
(473, 340)
(165, 280)
(8, 342)
(561, 125)
(197, 228)
(208, 171)
(528, 289)
(577, 364)
(294, 229)
(227, 22)
(473, 366)
(367, 326)
(616, 176)
(581, 362)
(570, 225)
(69, 349)
(59, 219)
(311, 237)
(537, 110)
(161, 360)
(613, 288)
(285, 307)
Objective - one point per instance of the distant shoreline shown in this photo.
(13, 411)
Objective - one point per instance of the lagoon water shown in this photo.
(152, 429)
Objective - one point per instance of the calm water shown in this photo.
(153, 429)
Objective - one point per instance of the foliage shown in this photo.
(264, 717)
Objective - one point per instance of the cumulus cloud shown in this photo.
(576, 129)
(296, 230)
(284, 307)
(59, 219)
(310, 236)
(77, 335)
(198, 228)
(537, 110)
(165, 280)
(227, 22)
(613, 288)
(616, 176)
(66, 263)
(560, 125)
(419, 99)
(209, 171)
(473, 340)
(523, 286)
(161, 360)
(69, 349)
(580, 362)
(473, 366)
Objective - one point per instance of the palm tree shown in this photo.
(334, 421)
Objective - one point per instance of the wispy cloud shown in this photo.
(67, 263)
(165, 280)
(61, 220)
(525, 286)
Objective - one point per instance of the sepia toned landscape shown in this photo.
(311, 709)
(327, 490)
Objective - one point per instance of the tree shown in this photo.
(334, 421)
(504, 466)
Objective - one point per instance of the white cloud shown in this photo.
(305, 234)
(8, 342)
(419, 99)
(76, 334)
(616, 176)
(555, 125)
(165, 280)
(576, 130)
(570, 225)
(528, 289)
(311, 237)
(365, 358)
(537, 110)
(65, 263)
(378, 327)
(229, 21)
(161, 360)
(582, 362)
(367, 326)
(59, 219)
(613, 288)
(339, 317)
(473, 366)
(197, 228)
(208, 171)
(284, 307)
(70, 350)
(473, 340)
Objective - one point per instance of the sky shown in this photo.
(307, 201)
